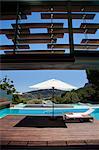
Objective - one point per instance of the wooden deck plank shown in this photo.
(85, 133)
(39, 143)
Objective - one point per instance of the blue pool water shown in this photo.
(95, 114)
(46, 112)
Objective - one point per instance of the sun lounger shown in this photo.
(85, 116)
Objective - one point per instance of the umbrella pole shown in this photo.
(53, 103)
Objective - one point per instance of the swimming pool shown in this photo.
(44, 111)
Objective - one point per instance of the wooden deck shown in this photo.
(26, 132)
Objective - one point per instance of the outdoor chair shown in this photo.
(84, 116)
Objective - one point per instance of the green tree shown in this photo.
(71, 97)
(7, 85)
(58, 100)
(93, 78)
(86, 94)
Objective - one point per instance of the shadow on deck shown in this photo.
(41, 122)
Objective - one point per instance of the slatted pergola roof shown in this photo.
(61, 52)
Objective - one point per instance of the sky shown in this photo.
(24, 79)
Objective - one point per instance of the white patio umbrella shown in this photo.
(57, 84)
(53, 84)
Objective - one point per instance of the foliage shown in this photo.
(35, 101)
(7, 85)
(58, 100)
(16, 99)
(93, 77)
(86, 94)
(89, 93)
(71, 97)
(67, 97)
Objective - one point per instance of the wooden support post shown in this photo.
(70, 29)
(16, 28)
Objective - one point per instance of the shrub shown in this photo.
(35, 101)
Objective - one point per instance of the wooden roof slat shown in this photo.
(75, 30)
(13, 12)
(10, 7)
(39, 25)
(90, 25)
(9, 47)
(55, 30)
(63, 8)
(12, 31)
(35, 41)
(86, 53)
(37, 52)
(90, 41)
(76, 46)
(62, 3)
(37, 36)
(44, 6)
(80, 53)
(35, 58)
(11, 17)
(65, 16)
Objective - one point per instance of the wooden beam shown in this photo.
(9, 47)
(44, 6)
(70, 28)
(83, 60)
(63, 8)
(9, 8)
(75, 30)
(11, 17)
(16, 58)
(39, 25)
(76, 46)
(37, 36)
(86, 53)
(12, 31)
(37, 52)
(65, 16)
(90, 25)
(35, 41)
(90, 41)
